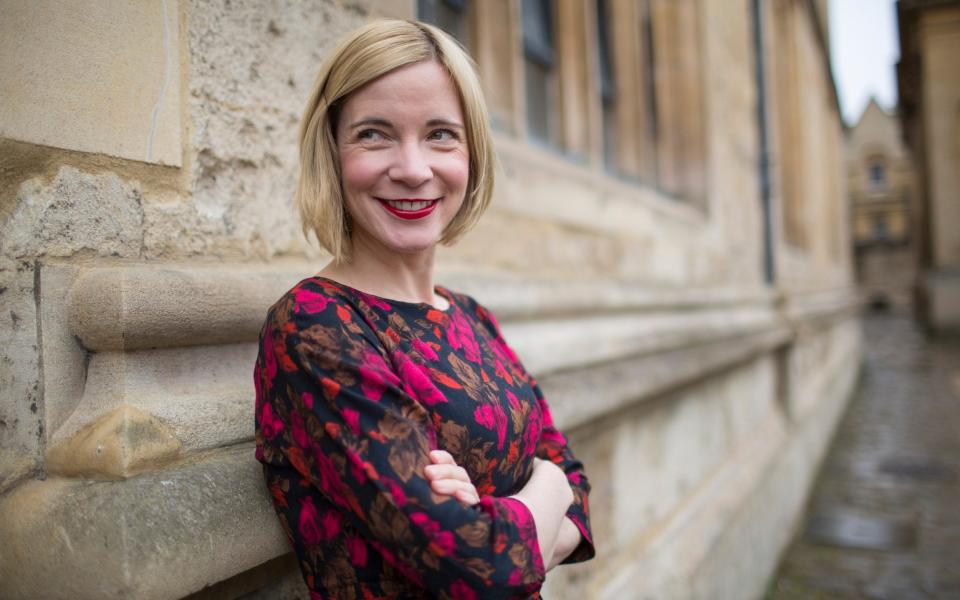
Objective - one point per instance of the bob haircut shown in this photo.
(367, 53)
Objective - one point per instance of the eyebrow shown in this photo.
(380, 122)
(447, 122)
(371, 121)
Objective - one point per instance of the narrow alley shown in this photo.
(883, 519)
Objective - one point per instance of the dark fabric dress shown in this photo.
(352, 393)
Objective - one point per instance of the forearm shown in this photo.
(568, 538)
(548, 496)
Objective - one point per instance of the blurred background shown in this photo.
(725, 237)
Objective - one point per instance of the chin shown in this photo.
(415, 245)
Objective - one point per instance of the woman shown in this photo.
(407, 451)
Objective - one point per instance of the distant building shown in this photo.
(929, 84)
(880, 181)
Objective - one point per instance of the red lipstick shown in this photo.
(410, 215)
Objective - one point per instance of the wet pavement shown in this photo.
(883, 521)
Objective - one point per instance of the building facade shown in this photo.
(881, 183)
(929, 85)
(670, 187)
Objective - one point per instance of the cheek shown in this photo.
(456, 170)
(359, 172)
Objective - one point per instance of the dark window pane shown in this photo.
(538, 101)
(607, 88)
(538, 32)
(609, 137)
(448, 15)
(880, 230)
(877, 175)
(538, 69)
(650, 73)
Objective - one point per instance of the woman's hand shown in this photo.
(448, 479)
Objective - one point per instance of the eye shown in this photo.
(443, 135)
(370, 135)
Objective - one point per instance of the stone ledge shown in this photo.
(550, 346)
(130, 307)
(612, 387)
(820, 308)
(161, 535)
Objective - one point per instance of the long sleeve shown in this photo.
(338, 409)
(552, 446)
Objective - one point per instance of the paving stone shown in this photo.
(850, 529)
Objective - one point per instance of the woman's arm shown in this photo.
(554, 448)
(548, 496)
(568, 538)
(557, 539)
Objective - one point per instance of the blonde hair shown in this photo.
(366, 54)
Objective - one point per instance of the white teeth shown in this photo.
(409, 205)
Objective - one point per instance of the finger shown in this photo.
(450, 487)
(466, 497)
(445, 471)
(447, 486)
(442, 457)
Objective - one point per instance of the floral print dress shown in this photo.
(352, 392)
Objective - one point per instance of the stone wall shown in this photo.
(136, 266)
(930, 111)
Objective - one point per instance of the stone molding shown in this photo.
(131, 307)
(164, 534)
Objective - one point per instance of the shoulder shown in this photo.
(473, 308)
(312, 304)
(310, 296)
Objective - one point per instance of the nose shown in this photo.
(411, 166)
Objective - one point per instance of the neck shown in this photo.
(381, 272)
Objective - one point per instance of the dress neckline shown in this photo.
(437, 289)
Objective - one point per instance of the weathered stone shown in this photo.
(161, 535)
(21, 398)
(203, 394)
(100, 215)
(120, 444)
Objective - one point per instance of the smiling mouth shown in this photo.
(409, 204)
(410, 209)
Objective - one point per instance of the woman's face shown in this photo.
(404, 161)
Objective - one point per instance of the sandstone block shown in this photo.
(99, 77)
(161, 535)
(120, 444)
